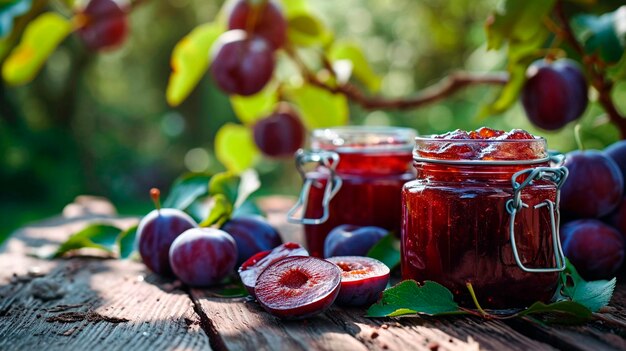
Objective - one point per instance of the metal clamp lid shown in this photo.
(328, 160)
(557, 175)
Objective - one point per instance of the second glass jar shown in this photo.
(357, 179)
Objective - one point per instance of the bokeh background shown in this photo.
(99, 123)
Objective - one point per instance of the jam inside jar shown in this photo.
(484, 211)
(357, 179)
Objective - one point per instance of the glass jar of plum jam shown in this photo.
(484, 210)
(356, 179)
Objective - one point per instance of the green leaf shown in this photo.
(565, 312)
(226, 184)
(387, 250)
(291, 7)
(235, 147)
(250, 109)
(604, 35)
(236, 188)
(593, 295)
(517, 21)
(305, 29)
(126, 242)
(190, 60)
(361, 69)
(97, 236)
(318, 107)
(9, 10)
(220, 212)
(40, 38)
(186, 189)
(408, 297)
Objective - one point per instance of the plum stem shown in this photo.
(594, 67)
(438, 91)
(155, 194)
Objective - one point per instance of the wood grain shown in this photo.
(106, 304)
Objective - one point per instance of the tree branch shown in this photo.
(595, 71)
(444, 88)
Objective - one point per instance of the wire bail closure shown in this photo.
(557, 175)
(325, 159)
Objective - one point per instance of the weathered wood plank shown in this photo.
(88, 303)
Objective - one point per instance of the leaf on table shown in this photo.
(318, 107)
(9, 10)
(250, 109)
(387, 250)
(126, 242)
(235, 147)
(96, 236)
(562, 312)
(190, 60)
(40, 38)
(604, 35)
(236, 289)
(593, 295)
(361, 69)
(187, 189)
(408, 297)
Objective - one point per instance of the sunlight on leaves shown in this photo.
(40, 39)
(318, 107)
(235, 147)
(190, 60)
(361, 69)
(96, 236)
(250, 109)
(305, 29)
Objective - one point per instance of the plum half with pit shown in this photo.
(203, 256)
(252, 234)
(594, 248)
(156, 233)
(594, 187)
(255, 265)
(298, 287)
(352, 240)
(363, 279)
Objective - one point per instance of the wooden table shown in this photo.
(87, 303)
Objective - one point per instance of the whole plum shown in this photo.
(594, 248)
(252, 234)
(352, 240)
(203, 256)
(594, 186)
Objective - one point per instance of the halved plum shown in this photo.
(363, 279)
(298, 287)
(255, 265)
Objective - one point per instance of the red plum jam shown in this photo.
(484, 210)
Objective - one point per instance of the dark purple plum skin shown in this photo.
(252, 234)
(617, 218)
(156, 233)
(617, 152)
(279, 135)
(352, 240)
(594, 248)
(554, 93)
(203, 256)
(242, 64)
(270, 22)
(594, 187)
(106, 25)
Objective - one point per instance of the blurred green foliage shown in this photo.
(100, 124)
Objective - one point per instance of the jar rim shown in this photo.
(481, 151)
(364, 139)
